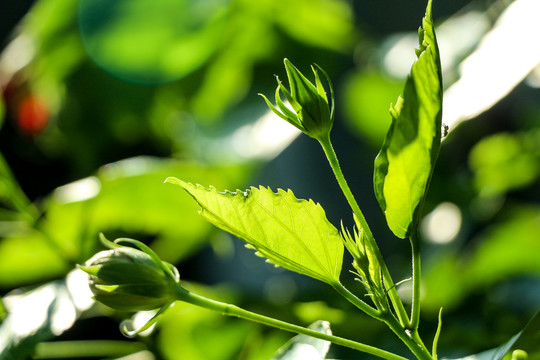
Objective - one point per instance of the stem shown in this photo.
(343, 291)
(387, 278)
(411, 339)
(86, 349)
(416, 274)
(232, 310)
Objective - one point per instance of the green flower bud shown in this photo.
(364, 260)
(128, 279)
(312, 113)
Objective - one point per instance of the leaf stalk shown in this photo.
(410, 338)
(233, 310)
(416, 276)
(343, 291)
(387, 278)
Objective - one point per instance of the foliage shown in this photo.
(289, 232)
(407, 158)
(83, 151)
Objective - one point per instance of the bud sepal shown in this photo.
(365, 263)
(131, 279)
(311, 112)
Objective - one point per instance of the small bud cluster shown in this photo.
(365, 263)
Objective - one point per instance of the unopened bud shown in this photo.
(128, 279)
(311, 111)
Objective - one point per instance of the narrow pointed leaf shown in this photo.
(437, 335)
(293, 119)
(331, 88)
(274, 110)
(291, 233)
(301, 88)
(527, 341)
(406, 160)
(295, 105)
(320, 87)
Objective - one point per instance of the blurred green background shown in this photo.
(104, 99)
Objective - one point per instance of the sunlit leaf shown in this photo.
(134, 198)
(127, 196)
(306, 347)
(289, 232)
(405, 163)
(29, 258)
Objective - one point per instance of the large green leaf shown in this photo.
(127, 196)
(289, 232)
(405, 163)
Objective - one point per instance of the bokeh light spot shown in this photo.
(442, 225)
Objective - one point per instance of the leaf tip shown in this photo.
(175, 181)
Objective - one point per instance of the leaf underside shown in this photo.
(406, 160)
(292, 233)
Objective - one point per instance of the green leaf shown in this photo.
(291, 233)
(437, 335)
(527, 341)
(12, 197)
(72, 224)
(406, 160)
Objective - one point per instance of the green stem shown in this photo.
(411, 339)
(343, 291)
(387, 278)
(416, 274)
(233, 310)
(86, 349)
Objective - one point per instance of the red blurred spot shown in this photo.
(32, 115)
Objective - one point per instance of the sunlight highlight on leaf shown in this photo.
(291, 233)
(405, 163)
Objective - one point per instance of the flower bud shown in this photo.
(312, 113)
(364, 260)
(128, 279)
